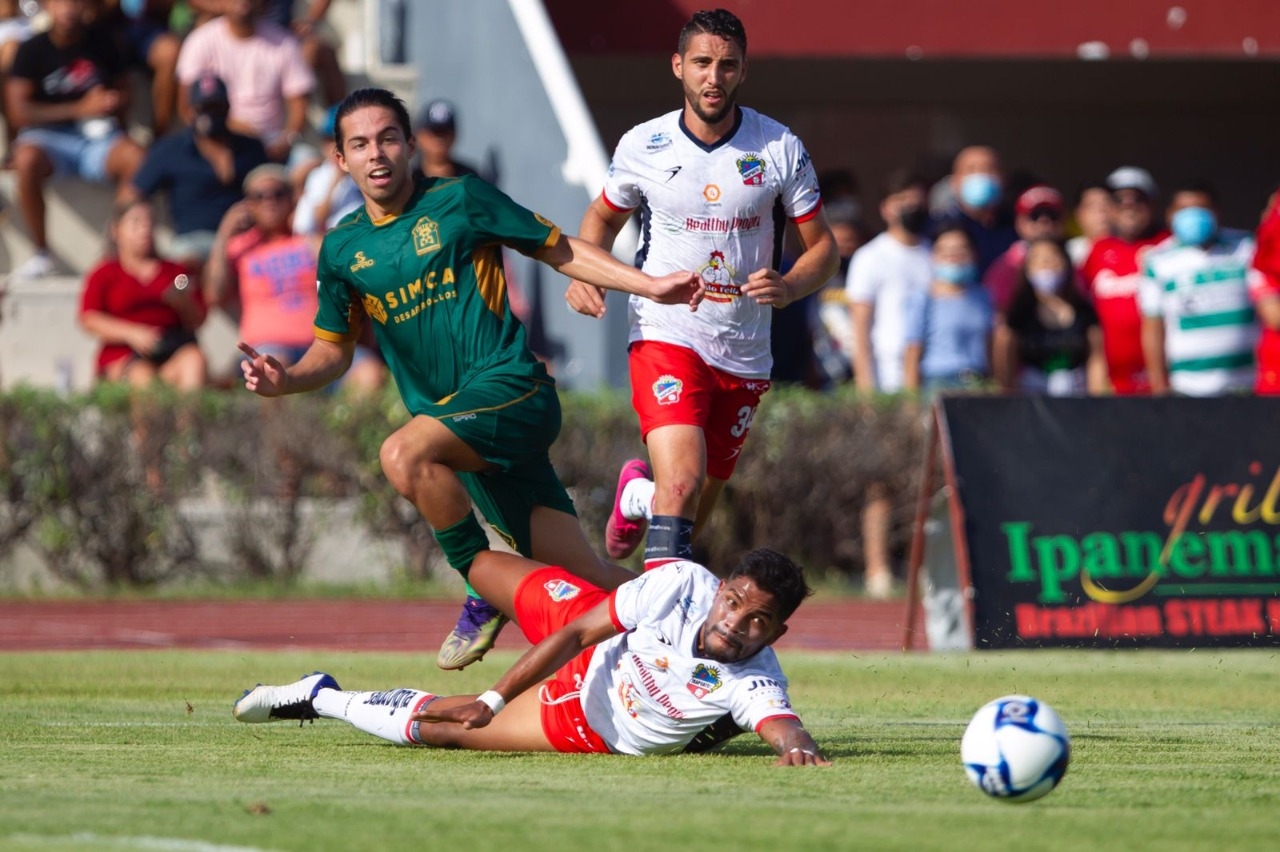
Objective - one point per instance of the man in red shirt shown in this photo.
(1113, 270)
(1264, 291)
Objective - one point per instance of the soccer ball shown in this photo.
(1016, 749)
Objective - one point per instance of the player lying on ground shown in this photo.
(640, 670)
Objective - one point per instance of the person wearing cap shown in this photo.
(264, 275)
(436, 131)
(201, 167)
(328, 193)
(1198, 324)
(1112, 274)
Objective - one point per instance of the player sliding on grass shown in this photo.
(640, 670)
(423, 259)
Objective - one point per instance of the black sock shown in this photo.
(670, 538)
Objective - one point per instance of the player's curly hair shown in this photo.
(716, 22)
(777, 575)
(370, 96)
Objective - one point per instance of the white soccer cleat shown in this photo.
(266, 703)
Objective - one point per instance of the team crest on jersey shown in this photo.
(717, 277)
(667, 390)
(361, 262)
(705, 680)
(561, 590)
(751, 167)
(373, 307)
(426, 236)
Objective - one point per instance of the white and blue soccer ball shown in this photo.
(1016, 749)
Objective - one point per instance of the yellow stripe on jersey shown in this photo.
(552, 238)
(521, 398)
(336, 337)
(490, 280)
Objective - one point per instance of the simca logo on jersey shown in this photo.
(373, 307)
(717, 277)
(667, 390)
(561, 590)
(751, 167)
(362, 262)
(705, 680)
(426, 236)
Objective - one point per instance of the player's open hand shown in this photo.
(801, 757)
(585, 299)
(767, 287)
(678, 288)
(263, 374)
(470, 716)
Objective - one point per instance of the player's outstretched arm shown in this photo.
(600, 226)
(538, 663)
(323, 362)
(593, 265)
(792, 743)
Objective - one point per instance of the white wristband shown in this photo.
(492, 700)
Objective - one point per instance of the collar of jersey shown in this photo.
(737, 122)
(419, 187)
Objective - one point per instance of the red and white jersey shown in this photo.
(712, 208)
(647, 691)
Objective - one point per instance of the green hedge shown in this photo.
(92, 484)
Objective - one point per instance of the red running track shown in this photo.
(360, 625)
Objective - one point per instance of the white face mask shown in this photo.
(1046, 280)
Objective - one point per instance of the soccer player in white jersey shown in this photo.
(639, 670)
(711, 182)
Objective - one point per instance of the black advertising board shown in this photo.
(1117, 522)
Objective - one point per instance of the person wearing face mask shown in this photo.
(977, 188)
(1198, 327)
(949, 323)
(1054, 339)
(202, 168)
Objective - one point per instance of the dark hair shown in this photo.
(366, 97)
(777, 575)
(716, 22)
(1023, 301)
(955, 225)
(119, 210)
(900, 180)
(1197, 185)
(1085, 187)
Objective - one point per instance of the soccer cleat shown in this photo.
(622, 535)
(266, 703)
(472, 637)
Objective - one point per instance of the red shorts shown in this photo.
(546, 600)
(672, 386)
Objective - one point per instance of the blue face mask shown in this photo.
(956, 273)
(1194, 226)
(979, 190)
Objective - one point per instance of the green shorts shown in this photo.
(511, 422)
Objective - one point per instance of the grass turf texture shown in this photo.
(138, 750)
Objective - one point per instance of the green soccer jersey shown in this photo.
(431, 281)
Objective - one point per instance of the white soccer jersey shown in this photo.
(711, 208)
(647, 692)
(1209, 326)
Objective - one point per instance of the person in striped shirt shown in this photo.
(1198, 327)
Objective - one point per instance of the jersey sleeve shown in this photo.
(1150, 291)
(800, 197)
(760, 697)
(152, 174)
(621, 187)
(914, 316)
(862, 284)
(333, 316)
(495, 218)
(94, 297)
(653, 593)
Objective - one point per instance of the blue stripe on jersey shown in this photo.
(646, 220)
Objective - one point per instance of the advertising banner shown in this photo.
(1117, 522)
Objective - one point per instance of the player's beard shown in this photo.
(694, 99)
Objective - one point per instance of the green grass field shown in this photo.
(138, 750)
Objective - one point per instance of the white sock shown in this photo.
(383, 714)
(637, 499)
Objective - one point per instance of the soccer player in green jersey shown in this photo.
(422, 260)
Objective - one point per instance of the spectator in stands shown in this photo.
(1054, 337)
(832, 330)
(201, 167)
(329, 193)
(977, 186)
(437, 131)
(1039, 213)
(141, 31)
(264, 275)
(143, 310)
(1198, 326)
(1112, 273)
(1092, 214)
(1264, 290)
(69, 97)
(15, 28)
(268, 83)
(882, 274)
(948, 327)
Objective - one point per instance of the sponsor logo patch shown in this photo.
(374, 308)
(711, 192)
(361, 262)
(561, 590)
(658, 142)
(718, 277)
(667, 390)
